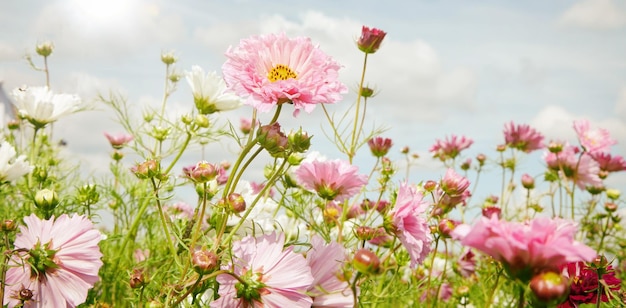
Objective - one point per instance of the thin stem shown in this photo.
(164, 221)
(521, 301)
(334, 128)
(180, 153)
(4, 262)
(351, 154)
(45, 69)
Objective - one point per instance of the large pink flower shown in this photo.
(522, 137)
(580, 168)
(527, 248)
(332, 180)
(593, 140)
(450, 148)
(410, 224)
(326, 261)
(274, 69)
(58, 261)
(275, 277)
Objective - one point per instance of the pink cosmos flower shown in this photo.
(179, 210)
(274, 69)
(58, 261)
(410, 224)
(275, 277)
(118, 141)
(454, 184)
(326, 261)
(522, 137)
(593, 140)
(581, 169)
(450, 148)
(584, 284)
(379, 146)
(527, 248)
(370, 39)
(609, 163)
(332, 180)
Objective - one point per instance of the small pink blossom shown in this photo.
(326, 262)
(581, 169)
(379, 146)
(522, 137)
(273, 69)
(179, 210)
(370, 39)
(466, 265)
(454, 184)
(275, 276)
(332, 180)
(609, 163)
(410, 224)
(527, 248)
(71, 244)
(118, 141)
(593, 140)
(450, 148)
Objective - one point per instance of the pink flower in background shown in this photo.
(332, 180)
(581, 169)
(370, 39)
(522, 137)
(326, 262)
(274, 276)
(274, 69)
(59, 263)
(454, 184)
(593, 140)
(379, 146)
(584, 284)
(410, 224)
(118, 141)
(466, 265)
(450, 148)
(609, 163)
(179, 210)
(527, 248)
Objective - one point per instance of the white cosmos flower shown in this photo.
(210, 92)
(12, 168)
(41, 106)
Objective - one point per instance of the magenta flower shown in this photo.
(593, 140)
(450, 148)
(454, 184)
(584, 284)
(274, 69)
(522, 137)
(326, 262)
(370, 39)
(58, 261)
(274, 277)
(609, 163)
(527, 248)
(332, 180)
(581, 169)
(379, 146)
(409, 223)
(118, 141)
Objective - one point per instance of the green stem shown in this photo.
(521, 301)
(180, 153)
(164, 221)
(352, 153)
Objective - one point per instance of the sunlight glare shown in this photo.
(102, 15)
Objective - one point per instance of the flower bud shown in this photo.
(366, 261)
(430, 186)
(299, 141)
(46, 199)
(236, 202)
(186, 119)
(13, 124)
(168, 58)
(202, 121)
(379, 146)
(245, 125)
(201, 172)
(87, 194)
(491, 210)
(481, 158)
(528, 181)
(118, 141)
(466, 164)
(160, 133)
(370, 39)
(137, 279)
(147, 169)
(8, 225)
(117, 155)
(272, 139)
(446, 226)
(555, 147)
(501, 147)
(367, 92)
(610, 207)
(24, 295)
(365, 233)
(549, 287)
(204, 261)
(44, 49)
(612, 193)
(404, 150)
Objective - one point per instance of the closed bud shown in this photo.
(295, 159)
(204, 261)
(200, 172)
(9, 225)
(501, 148)
(137, 279)
(13, 124)
(117, 155)
(87, 195)
(404, 150)
(430, 186)
(612, 193)
(365, 233)
(555, 147)
(160, 133)
(549, 287)
(370, 39)
(46, 199)
(481, 158)
(147, 169)
(186, 119)
(446, 226)
(528, 181)
(24, 295)
(299, 141)
(202, 121)
(491, 210)
(44, 49)
(367, 92)
(245, 125)
(366, 261)
(273, 140)
(466, 164)
(148, 116)
(379, 146)
(168, 58)
(236, 202)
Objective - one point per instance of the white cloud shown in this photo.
(594, 14)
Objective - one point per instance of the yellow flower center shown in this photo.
(281, 72)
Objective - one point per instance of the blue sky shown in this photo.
(445, 67)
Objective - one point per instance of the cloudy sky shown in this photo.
(446, 67)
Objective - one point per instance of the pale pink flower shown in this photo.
(332, 180)
(593, 140)
(527, 248)
(581, 169)
(76, 256)
(118, 141)
(609, 163)
(279, 277)
(274, 69)
(450, 148)
(410, 224)
(522, 137)
(179, 211)
(326, 262)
